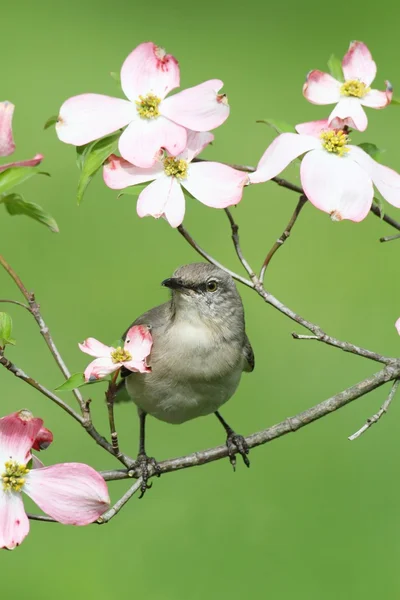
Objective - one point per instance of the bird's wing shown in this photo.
(248, 355)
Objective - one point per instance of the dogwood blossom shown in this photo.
(7, 144)
(71, 493)
(132, 356)
(359, 71)
(154, 121)
(336, 177)
(212, 183)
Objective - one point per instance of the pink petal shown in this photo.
(43, 439)
(321, 88)
(196, 142)
(285, 148)
(349, 111)
(142, 140)
(214, 184)
(377, 99)
(148, 69)
(88, 117)
(358, 64)
(7, 145)
(14, 524)
(118, 173)
(386, 180)
(93, 347)
(32, 162)
(99, 368)
(137, 366)
(174, 210)
(71, 493)
(397, 325)
(336, 185)
(152, 200)
(138, 342)
(18, 433)
(314, 128)
(199, 108)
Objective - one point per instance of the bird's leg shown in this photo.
(143, 461)
(235, 443)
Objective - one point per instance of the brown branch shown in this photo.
(282, 239)
(16, 302)
(111, 393)
(389, 238)
(114, 510)
(236, 243)
(375, 418)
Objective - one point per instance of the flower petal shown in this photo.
(214, 184)
(397, 325)
(153, 199)
(118, 173)
(99, 368)
(321, 88)
(71, 493)
(14, 524)
(36, 462)
(7, 145)
(142, 140)
(349, 112)
(149, 69)
(196, 142)
(377, 99)
(199, 108)
(386, 180)
(18, 433)
(314, 128)
(174, 210)
(336, 185)
(285, 148)
(32, 162)
(93, 347)
(43, 439)
(88, 117)
(358, 64)
(138, 342)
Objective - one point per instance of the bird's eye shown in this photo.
(212, 286)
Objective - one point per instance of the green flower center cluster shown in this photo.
(175, 167)
(13, 477)
(335, 141)
(120, 355)
(147, 106)
(354, 88)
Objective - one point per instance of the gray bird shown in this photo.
(200, 349)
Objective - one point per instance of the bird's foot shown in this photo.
(147, 466)
(237, 444)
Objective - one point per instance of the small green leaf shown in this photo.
(75, 381)
(278, 126)
(116, 77)
(51, 121)
(335, 67)
(133, 190)
(372, 150)
(5, 330)
(16, 205)
(395, 101)
(17, 175)
(90, 159)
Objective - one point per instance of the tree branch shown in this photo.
(114, 510)
(375, 418)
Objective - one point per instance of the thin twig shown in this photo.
(236, 243)
(375, 418)
(114, 510)
(17, 303)
(110, 397)
(42, 518)
(282, 239)
(389, 238)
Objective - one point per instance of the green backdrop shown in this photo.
(316, 516)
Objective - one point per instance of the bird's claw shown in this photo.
(237, 444)
(147, 466)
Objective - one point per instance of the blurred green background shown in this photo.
(316, 516)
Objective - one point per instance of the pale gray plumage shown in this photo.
(200, 347)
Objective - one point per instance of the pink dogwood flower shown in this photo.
(154, 121)
(7, 144)
(132, 356)
(212, 183)
(359, 72)
(71, 493)
(336, 177)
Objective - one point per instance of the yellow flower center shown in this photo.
(147, 106)
(120, 355)
(13, 477)
(175, 167)
(354, 88)
(335, 140)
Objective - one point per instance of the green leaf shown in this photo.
(17, 175)
(5, 330)
(90, 159)
(372, 150)
(51, 121)
(395, 101)
(76, 381)
(335, 67)
(133, 190)
(278, 126)
(16, 205)
(116, 77)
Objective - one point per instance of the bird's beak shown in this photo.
(173, 283)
